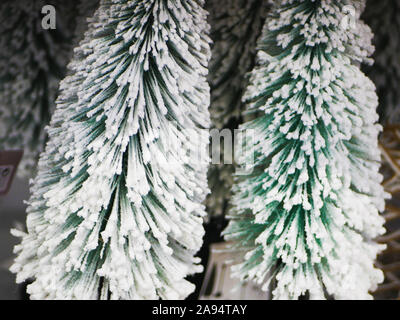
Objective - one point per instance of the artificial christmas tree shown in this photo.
(235, 28)
(384, 18)
(306, 210)
(32, 62)
(116, 209)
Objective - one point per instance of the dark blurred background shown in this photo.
(12, 212)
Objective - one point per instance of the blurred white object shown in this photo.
(218, 283)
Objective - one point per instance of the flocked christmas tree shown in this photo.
(384, 18)
(116, 209)
(33, 60)
(235, 28)
(307, 207)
